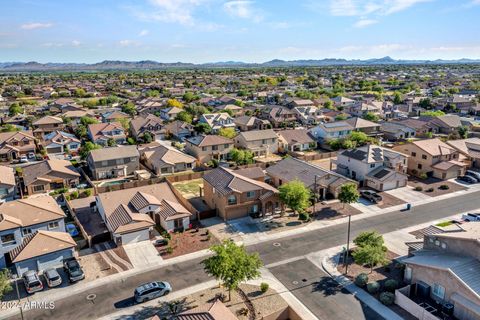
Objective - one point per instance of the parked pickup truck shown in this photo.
(73, 270)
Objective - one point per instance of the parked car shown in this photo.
(52, 277)
(474, 174)
(72, 229)
(160, 242)
(371, 196)
(471, 217)
(73, 270)
(23, 159)
(468, 179)
(151, 290)
(32, 281)
(31, 155)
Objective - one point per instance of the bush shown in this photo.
(387, 298)
(373, 287)
(169, 250)
(423, 176)
(264, 287)
(418, 188)
(74, 195)
(391, 285)
(361, 280)
(303, 216)
(88, 192)
(444, 187)
(429, 190)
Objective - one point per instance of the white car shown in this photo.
(471, 217)
(23, 159)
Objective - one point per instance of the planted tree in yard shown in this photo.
(86, 148)
(295, 195)
(227, 133)
(232, 264)
(5, 285)
(372, 238)
(348, 194)
(371, 255)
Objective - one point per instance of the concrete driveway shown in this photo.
(142, 254)
(408, 195)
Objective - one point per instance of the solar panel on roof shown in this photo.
(382, 173)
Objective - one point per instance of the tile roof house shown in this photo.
(179, 130)
(47, 125)
(247, 123)
(261, 142)
(113, 162)
(48, 175)
(469, 150)
(169, 113)
(164, 160)
(279, 116)
(434, 158)
(114, 116)
(368, 127)
(208, 147)
(7, 183)
(20, 218)
(101, 133)
(325, 183)
(216, 121)
(295, 140)
(130, 214)
(150, 123)
(13, 145)
(211, 311)
(234, 196)
(331, 130)
(59, 142)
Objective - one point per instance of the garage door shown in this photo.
(54, 150)
(133, 237)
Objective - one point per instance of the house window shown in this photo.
(372, 165)
(232, 199)
(214, 147)
(444, 245)
(424, 156)
(414, 154)
(250, 194)
(438, 291)
(226, 145)
(26, 231)
(53, 225)
(8, 239)
(204, 148)
(38, 188)
(419, 166)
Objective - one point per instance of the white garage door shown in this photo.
(135, 237)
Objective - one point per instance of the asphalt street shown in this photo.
(117, 295)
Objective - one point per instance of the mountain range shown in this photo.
(154, 65)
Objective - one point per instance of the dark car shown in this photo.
(468, 179)
(371, 196)
(73, 270)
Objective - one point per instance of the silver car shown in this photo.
(151, 290)
(52, 277)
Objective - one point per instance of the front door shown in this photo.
(177, 224)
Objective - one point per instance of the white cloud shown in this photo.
(35, 25)
(364, 8)
(362, 23)
(242, 9)
(128, 43)
(171, 11)
(143, 33)
(76, 43)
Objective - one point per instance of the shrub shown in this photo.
(74, 195)
(303, 216)
(88, 192)
(399, 266)
(444, 187)
(387, 298)
(373, 287)
(264, 287)
(169, 250)
(391, 285)
(429, 190)
(423, 176)
(418, 188)
(361, 280)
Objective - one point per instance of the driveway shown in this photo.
(142, 254)
(408, 195)
(320, 293)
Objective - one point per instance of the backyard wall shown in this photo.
(403, 301)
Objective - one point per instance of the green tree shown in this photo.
(15, 109)
(88, 120)
(397, 98)
(9, 128)
(80, 92)
(372, 238)
(240, 156)
(436, 113)
(232, 264)
(358, 137)
(295, 195)
(111, 142)
(463, 132)
(86, 148)
(129, 108)
(5, 285)
(147, 137)
(370, 116)
(348, 194)
(341, 117)
(371, 255)
(189, 97)
(229, 133)
(184, 116)
(174, 103)
(203, 128)
(328, 104)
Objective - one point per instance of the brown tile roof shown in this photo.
(40, 243)
(166, 155)
(48, 170)
(96, 129)
(254, 135)
(7, 176)
(212, 311)
(434, 147)
(48, 120)
(296, 136)
(209, 140)
(114, 153)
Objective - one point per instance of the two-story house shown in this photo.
(13, 145)
(279, 116)
(49, 175)
(207, 147)
(46, 125)
(114, 116)
(361, 125)
(308, 115)
(164, 160)
(216, 121)
(151, 124)
(234, 196)
(331, 130)
(247, 123)
(170, 113)
(7, 183)
(59, 142)
(434, 158)
(375, 167)
(102, 133)
(179, 130)
(113, 162)
(261, 142)
(295, 140)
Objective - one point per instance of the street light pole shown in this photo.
(315, 198)
(348, 243)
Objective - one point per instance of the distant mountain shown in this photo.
(154, 65)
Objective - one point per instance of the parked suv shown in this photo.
(73, 270)
(32, 281)
(468, 179)
(474, 174)
(371, 196)
(151, 290)
(52, 277)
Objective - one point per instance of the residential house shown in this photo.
(235, 196)
(59, 142)
(279, 116)
(114, 116)
(208, 147)
(150, 124)
(23, 217)
(295, 140)
(308, 115)
(331, 130)
(46, 125)
(376, 167)
(170, 113)
(445, 124)
(113, 162)
(7, 183)
(216, 121)
(343, 102)
(469, 150)
(370, 128)
(261, 142)
(179, 130)
(76, 116)
(215, 310)
(325, 183)
(421, 127)
(443, 274)
(131, 214)
(49, 175)
(232, 108)
(247, 123)
(102, 133)
(396, 131)
(164, 160)
(433, 158)
(15, 144)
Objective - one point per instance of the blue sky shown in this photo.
(240, 30)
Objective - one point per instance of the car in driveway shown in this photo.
(73, 270)
(151, 290)
(160, 241)
(72, 229)
(52, 277)
(23, 159)
(371, 196)
(32, 282)
(473, 174)
(468, 179)
(471, 217)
